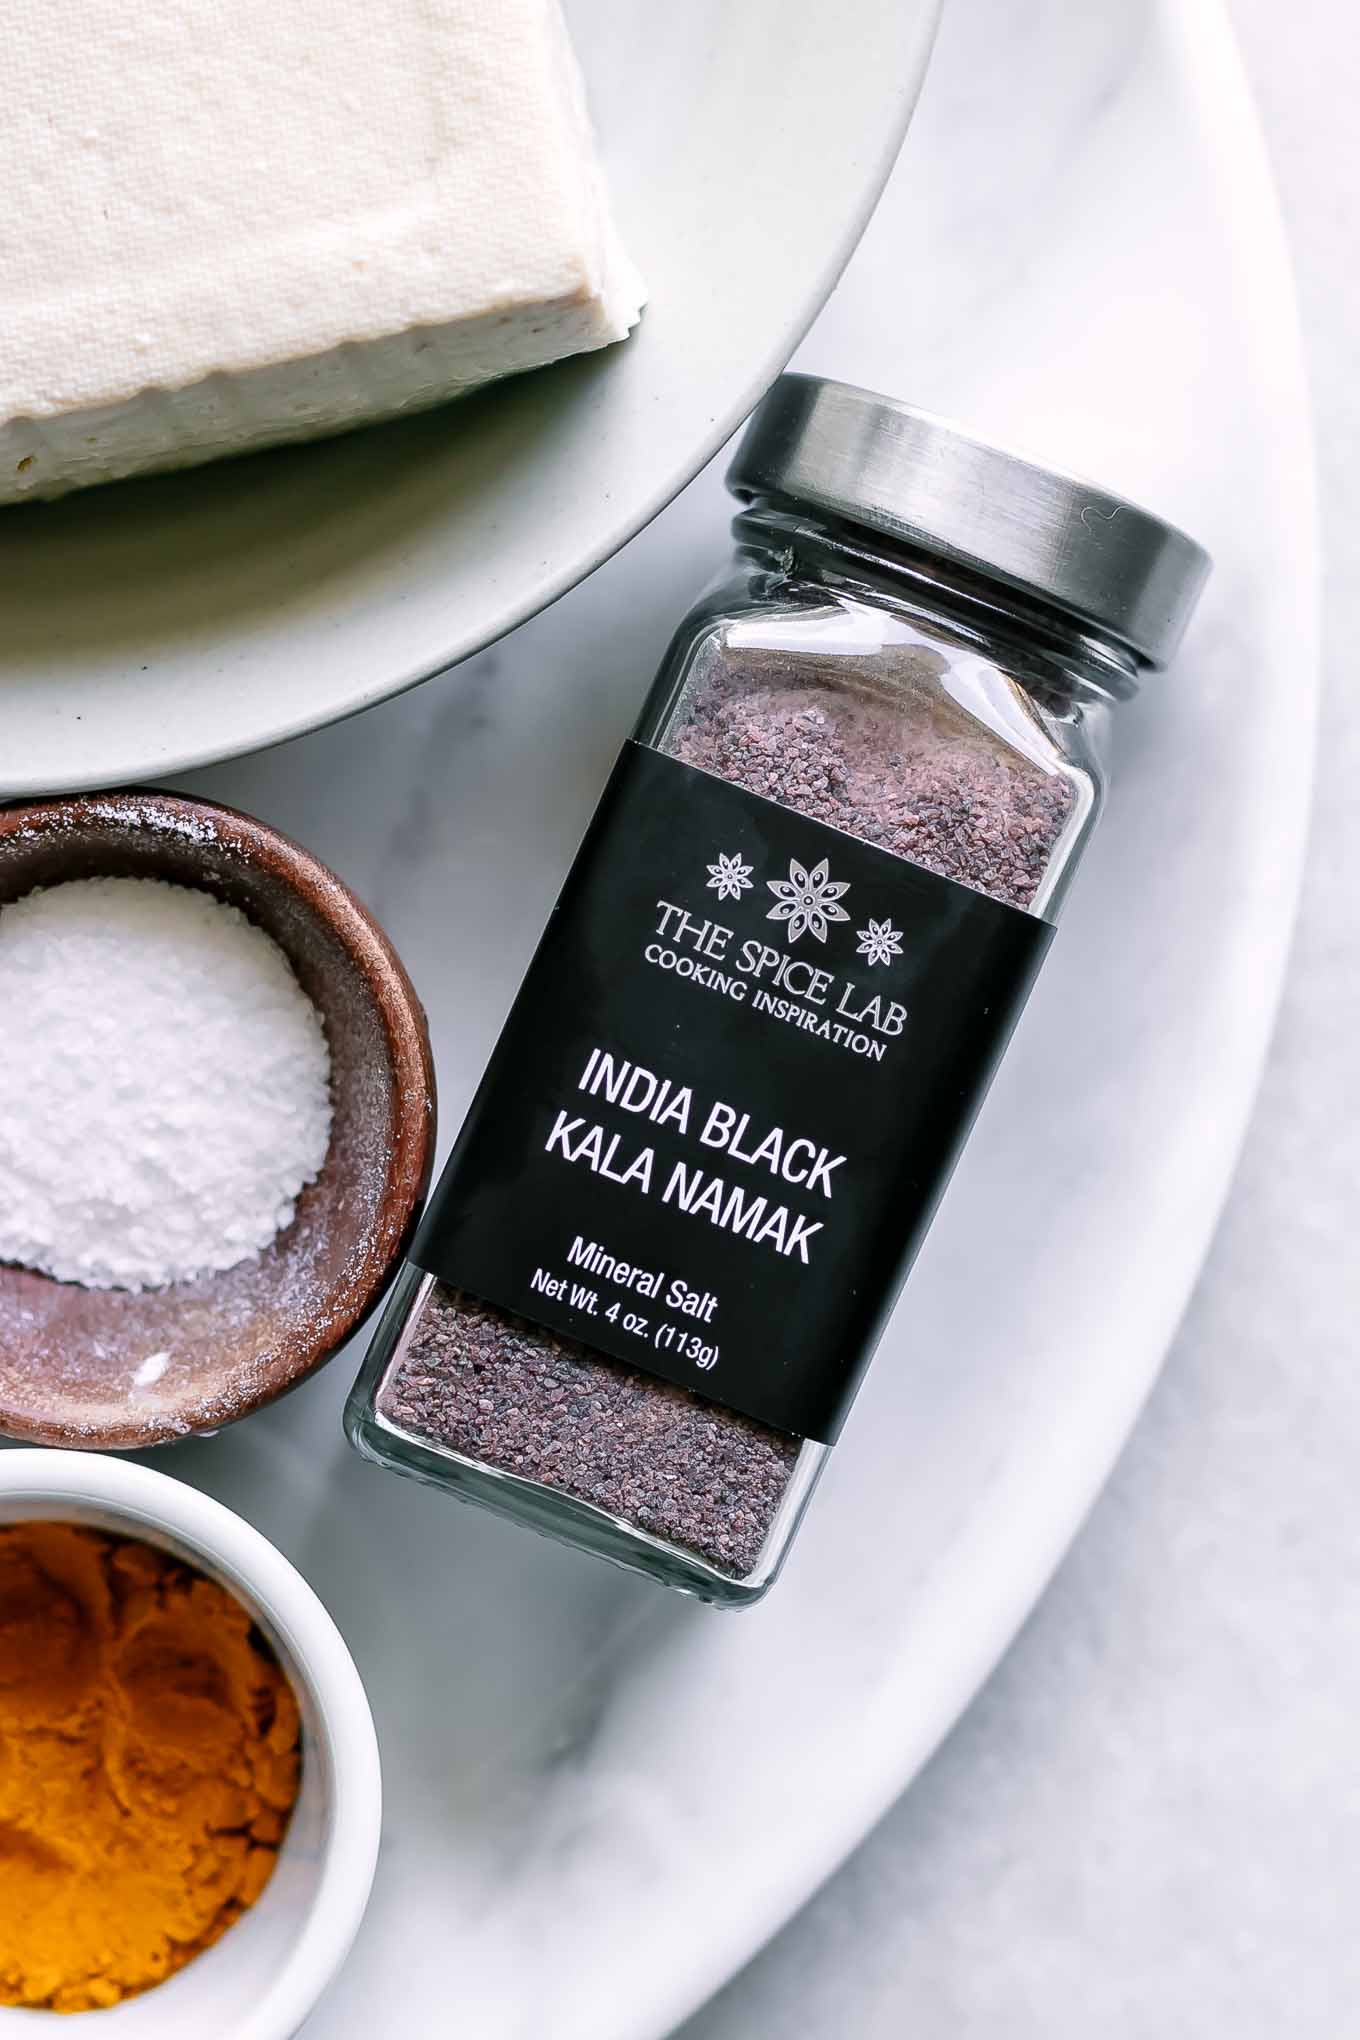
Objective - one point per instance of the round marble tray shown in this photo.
(599, 1798)
(167, 622)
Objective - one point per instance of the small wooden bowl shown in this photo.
(74, 1362)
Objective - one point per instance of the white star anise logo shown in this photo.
(729, 878)
(807, 900)
(880, 942)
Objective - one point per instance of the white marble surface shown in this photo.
(1093, 1817)
(1148, 1822)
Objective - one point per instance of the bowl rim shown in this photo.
(271, 1585)
(410, 1160)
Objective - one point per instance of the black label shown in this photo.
(729, 1094)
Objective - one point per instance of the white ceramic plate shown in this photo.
(600, 1799)
(162, 624)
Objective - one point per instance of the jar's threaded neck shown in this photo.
(1072, 660)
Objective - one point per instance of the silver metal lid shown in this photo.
(1121, 573)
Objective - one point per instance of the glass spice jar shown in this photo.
(772, 993)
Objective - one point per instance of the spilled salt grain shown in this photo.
(164, 1084)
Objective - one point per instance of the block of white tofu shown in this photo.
(231, 222)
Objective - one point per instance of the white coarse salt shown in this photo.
(164, 1084)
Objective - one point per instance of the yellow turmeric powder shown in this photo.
(148, 1765)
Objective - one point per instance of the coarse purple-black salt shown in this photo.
(898, 768)
(517, 1397)
(924, 786)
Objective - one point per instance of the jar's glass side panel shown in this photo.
(921, 743)
(873, 723)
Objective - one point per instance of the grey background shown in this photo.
(1149, 1823)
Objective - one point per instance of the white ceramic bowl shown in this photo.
(260, 1981)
